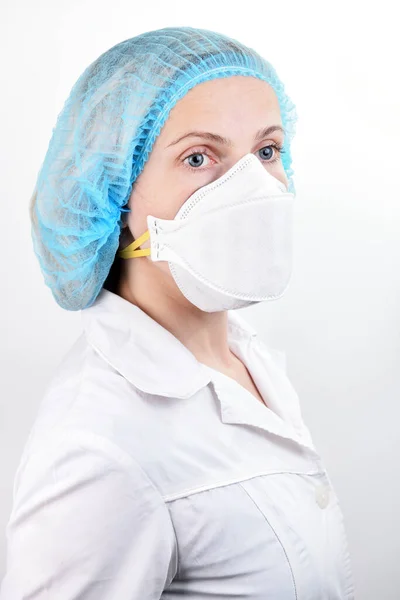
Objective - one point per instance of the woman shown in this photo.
(169, 456)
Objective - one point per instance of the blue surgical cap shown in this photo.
(103, 137)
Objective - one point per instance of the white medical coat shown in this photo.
(149, 475)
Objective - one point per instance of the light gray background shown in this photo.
(339, 321)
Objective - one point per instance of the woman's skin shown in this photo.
(236, 108)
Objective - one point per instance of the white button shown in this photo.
(322, 495)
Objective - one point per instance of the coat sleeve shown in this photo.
(88, 524)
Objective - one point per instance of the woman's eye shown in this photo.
(266, 153)
(195, 160)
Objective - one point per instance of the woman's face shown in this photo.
(214, 125)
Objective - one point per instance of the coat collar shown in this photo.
(120, 332)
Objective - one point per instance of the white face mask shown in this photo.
(230, 244)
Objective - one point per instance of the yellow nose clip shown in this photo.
(131, 250)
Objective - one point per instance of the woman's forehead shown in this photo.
(238, 89)
(237, 101)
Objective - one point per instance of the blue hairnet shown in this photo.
(102, 140)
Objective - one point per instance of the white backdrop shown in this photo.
(339, 321)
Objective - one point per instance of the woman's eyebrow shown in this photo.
(226, 141)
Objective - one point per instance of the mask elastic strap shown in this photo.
(131, 252)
